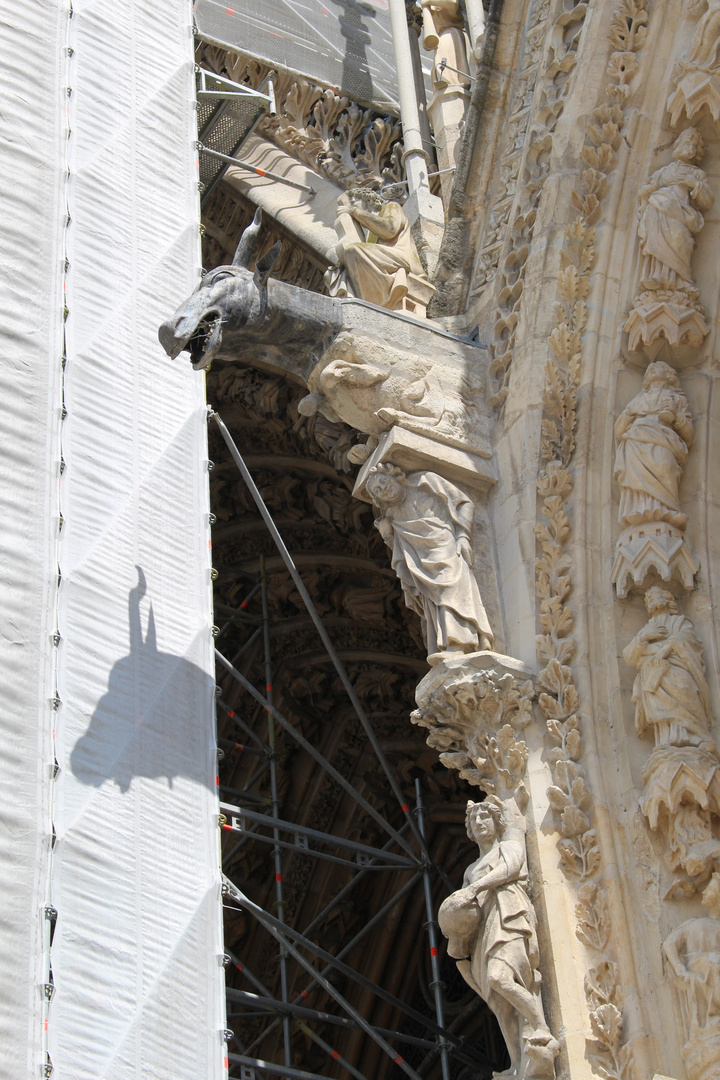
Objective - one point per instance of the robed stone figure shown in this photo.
(491, 929)
(426, 521)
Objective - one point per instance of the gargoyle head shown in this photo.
(229, 298)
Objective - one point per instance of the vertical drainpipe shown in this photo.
(424, 210)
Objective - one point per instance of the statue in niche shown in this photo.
(491, 930)
(672, 204)
(670, 216)
(670, 694)
(697, 86)
(654, 433)
(426, 521)
(444, 34)
(377, 254)
(682, 777)
(692, 961)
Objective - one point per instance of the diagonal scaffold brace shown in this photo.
(324, 637)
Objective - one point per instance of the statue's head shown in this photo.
(483, 820)
(658, 600)
(385, 484)
(372, 199)
(660, 374)
(689, 146)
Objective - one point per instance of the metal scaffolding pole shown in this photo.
(277, 848)
(319, 626)
(432, 928)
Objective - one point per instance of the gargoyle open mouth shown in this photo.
(205, 341)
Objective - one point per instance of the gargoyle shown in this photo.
(236, 314)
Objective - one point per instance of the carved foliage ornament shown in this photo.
(569, 795)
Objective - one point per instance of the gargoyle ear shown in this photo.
(248, 242)
(265, 264)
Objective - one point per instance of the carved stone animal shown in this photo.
(235, 314)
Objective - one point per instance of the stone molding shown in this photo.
(549, 104)
(581, 859)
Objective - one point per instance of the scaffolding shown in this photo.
(405, 851)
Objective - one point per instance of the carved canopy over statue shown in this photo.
(654, 433)
(426, 521)
(491, 929)
(692, 955)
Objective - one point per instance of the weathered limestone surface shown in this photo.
(578, 440)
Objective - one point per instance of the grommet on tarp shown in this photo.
(228, 1035)
(212, 519)
(211, 466)
(50, 912)
(215, 631)
(56, 702)
(213, 574)
(222, 820)
(218, 691)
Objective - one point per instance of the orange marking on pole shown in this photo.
(433, 951)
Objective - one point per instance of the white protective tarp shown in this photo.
(30, 353)
(137, 950)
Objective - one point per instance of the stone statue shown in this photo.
(491, 930)
(377, 253)
(670, 694)
(426, 521)
(697, 83)
(654, 433)
(692, 956)
(682, 777)
(671, 214)
(444, 34)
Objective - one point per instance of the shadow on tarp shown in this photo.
(150, 721)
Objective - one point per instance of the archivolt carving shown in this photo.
(570, 795)
(512, 154)
(565, 35)
(671, 206)
(692, 954)
(654, 433)
(682, 776)
(698, 77)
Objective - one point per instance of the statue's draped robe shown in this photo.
(499, 925)
(670, 693)
(378, 267)
(438, 583)
(668, 222)
(650, 455)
